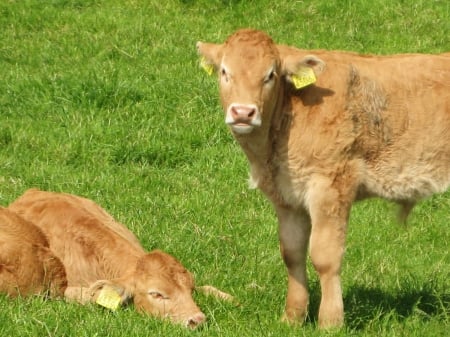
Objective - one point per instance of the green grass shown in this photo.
(105, 99)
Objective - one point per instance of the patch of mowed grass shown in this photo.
(105, 99)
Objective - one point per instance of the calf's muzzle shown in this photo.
(195, 320)
(242, 118)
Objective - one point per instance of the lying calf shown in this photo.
(104, 259)
(27, 266)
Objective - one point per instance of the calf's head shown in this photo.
(159, 286)
(252, 70)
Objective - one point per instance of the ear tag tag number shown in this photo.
(108, 298)
(303, 78)
(208, 67)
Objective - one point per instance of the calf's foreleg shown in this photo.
(329, 211)
(294, 231)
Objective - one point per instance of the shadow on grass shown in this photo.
(364, 305)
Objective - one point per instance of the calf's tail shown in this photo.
(213, 291)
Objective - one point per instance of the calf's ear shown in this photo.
(299, 67)
(110, 293)
(210, 55)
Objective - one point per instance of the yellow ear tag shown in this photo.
(108, 298)
(209, 68)
(303, 78)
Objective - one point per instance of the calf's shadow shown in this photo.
(363, 304)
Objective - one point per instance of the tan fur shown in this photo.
(27, 266)
(98, 252)
(369, 126)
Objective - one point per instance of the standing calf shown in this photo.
(322, 129)
(27, 266)
(100, 253)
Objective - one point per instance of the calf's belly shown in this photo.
(407, 182)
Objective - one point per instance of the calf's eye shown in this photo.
(224, 74)
(270, 76)
(157, 295)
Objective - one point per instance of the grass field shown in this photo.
(105, 99)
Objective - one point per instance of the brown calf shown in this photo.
(27, 266)
(104, 259)
(322, 129)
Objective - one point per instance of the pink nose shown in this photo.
(242, 113)
(196, 320)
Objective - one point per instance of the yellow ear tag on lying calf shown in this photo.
(108, 298)
(303, 78)
(209, 68)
